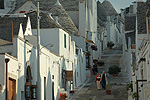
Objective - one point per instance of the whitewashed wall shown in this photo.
(82, 18)
(12, 72)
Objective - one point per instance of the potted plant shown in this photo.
(129, 86)
(134, 95)
(110, 44)
(93, 47)
(114, 70)
(100, 63)
(95, 61)
(108, 88)
(63, 96)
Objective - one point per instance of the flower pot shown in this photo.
(110, 47)
(115, 75)
(108, 91)
(62, 99)
(95, 61)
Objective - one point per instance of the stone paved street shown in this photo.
(118, 90)
(90, 91)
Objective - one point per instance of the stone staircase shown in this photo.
(114, 57)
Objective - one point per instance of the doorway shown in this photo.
(53, 91)
(12, 89)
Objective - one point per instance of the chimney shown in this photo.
(131, 9)
(134, 7)
(57, 3)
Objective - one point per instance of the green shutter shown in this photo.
(64, 40)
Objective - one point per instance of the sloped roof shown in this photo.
(101, 12)
(141, 17)
(27, 6)
(6, 27)
(45, 21)
(4, 42)
(98, 29)
(64, 19)
(46, 5)
(69, 5)
(100, 26)
(100, 22)
(110, 10)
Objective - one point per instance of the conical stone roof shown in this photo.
(64, 19)
(46, 5)
(101, 12)
(100, 22)
(110, 10)
(69, 5)
(45, 22)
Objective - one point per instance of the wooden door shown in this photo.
(12, 89)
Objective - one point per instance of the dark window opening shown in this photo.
(28, 74)
(1, 4)
(64, 40)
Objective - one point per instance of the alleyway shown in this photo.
(119, 92)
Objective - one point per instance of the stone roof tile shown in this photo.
(6, 27)
(69, 5)
(45, 22)
(130, 22)
(141, 17)
(4, 42)
(110, 10)
(100, 22)
(101, 12)
(64, 19)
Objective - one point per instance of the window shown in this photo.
(64, 40)
(44, 88)
(1, 4)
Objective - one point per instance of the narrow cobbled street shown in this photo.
(89, 90)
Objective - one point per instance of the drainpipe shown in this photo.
(6, 61)
(137, 87)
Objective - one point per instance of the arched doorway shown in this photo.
(28, 83)
(28, 74)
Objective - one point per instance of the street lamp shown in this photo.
(38, 54)
(6, 61)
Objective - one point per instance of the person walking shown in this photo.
(103, 80)
(97, 80)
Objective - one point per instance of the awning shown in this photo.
(89, 41)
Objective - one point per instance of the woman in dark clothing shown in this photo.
(103, 80)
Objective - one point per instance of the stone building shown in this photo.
(137, 51)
